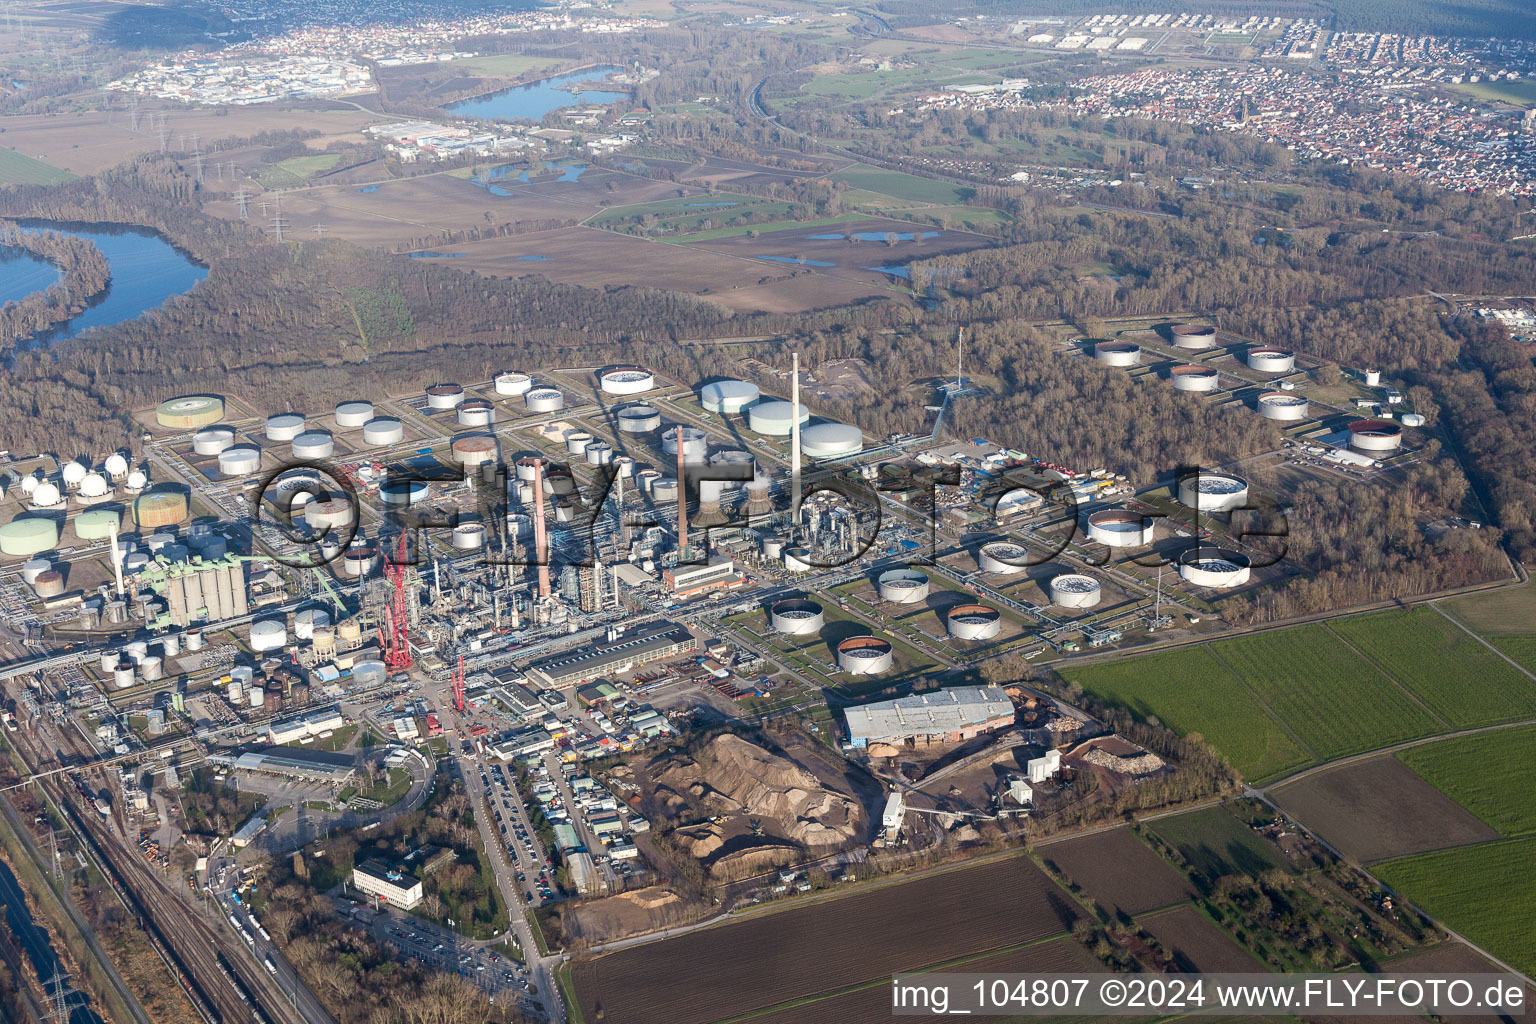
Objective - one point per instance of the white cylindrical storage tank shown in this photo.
(474, 450)
(1413, 419)
(1117, 353)
(359, 560)
(239, 460)
(773, 548)
(1193, 337)
(544, 400)
(170, 645)
(973, 622)
(797, 617)
(527, 467)
(329, 514)
(1074, 590)
(775, 418)
(1373, 378)
(728, 396)
(49, 583)
(638, 419)
(576, 442)
(902, 586)
(32, 568)
(254, 697)
(213, 440)
(135, 650)
(268, 635)
(1003, 557)
(369, 673)
(403, 492)
(1213, 492)
(194, 639)
(831, 441)
(109, 659)
(1194, 377)
(1214, 567)
(513, 383)
(383, 430)
(1283, 406)
(626, 465)
(314, 444)
(1121, 528)
(663, 489)
(305, 621)
(468, 536)
(695, 443)
(233, 693)
(151, 668)
(1271, 360)
(626, 380)
(798, 559)
(598, 453)
(444, 396)
(122, 675)
(1375, 437)
(864, 655)
(476, 412)
(284, 426)
(353, 414)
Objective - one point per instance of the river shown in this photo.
(146, 271)
(534, 100)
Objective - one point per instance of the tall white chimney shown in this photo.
(794, 441)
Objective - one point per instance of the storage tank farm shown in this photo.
(1121, 528)
(797, 617)
(902, 586)
(1375, 437)
(1282, 406)
(1074, 590)
(973, 622)
(1117, 353)
(865, 655)
(629, 379)
(1212, 492)
(1003, 557)
(1194, 377)
(1218, 568)
(1193, 337)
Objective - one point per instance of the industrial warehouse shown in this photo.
(946, 716)
(619, 652)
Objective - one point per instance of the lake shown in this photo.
(21, 274)
(146, 271)
(532, 101)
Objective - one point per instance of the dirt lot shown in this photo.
(1375, 809)
(90, 141)
(1197, 944)
(1119, 871)
(824, 947)
(873, 1005)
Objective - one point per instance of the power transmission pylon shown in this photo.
(243, 198)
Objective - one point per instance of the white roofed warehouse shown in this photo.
(951, 715)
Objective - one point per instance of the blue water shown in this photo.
(876, 236)
(21, 274)
(34, 941)
(733, 204)
(146, 271)
(803, 263)
(369, 188)
(428, 254)
(900, 270)
(504, 172)
(537, 259)
(532, 101)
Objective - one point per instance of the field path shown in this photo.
(1457, 623)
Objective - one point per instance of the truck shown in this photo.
(271, 967)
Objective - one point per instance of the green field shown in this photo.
(901, 186)
(1483, 892)
(503, 65)
(1190, 691)
(295, 170)
(1521, 649)
(1216, 843)
(1452, 673)
(1519, 93)
(738, 230)
(1325, 693)
(1493, 775)
(1507, 611)
(16, 169)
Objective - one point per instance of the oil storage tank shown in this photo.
(797, 617)
(638, 419)
(1271, 360)
(902, 586)
(865, 655)
(544, 400)
(476, 412)
(627, 379)
(973, 622)
(1003, 557)
(190, 412)
(213, 440)
(1194, 377)
(441, 397)
(1375, 437)
(284, 426)
(1282, 406)
(728, 396)
(1193, 337)
(695, 443)
(1213, 492)
(473, 449)
(353, 414)
(1121, 528)
(831, 441)
(774, 418)
(512, 383)
(1074, 590)
(160, 508)
(1117, 353)
(383, 430)
(314, 444)
(1215, 567)
(239, 460)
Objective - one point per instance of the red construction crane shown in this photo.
(458, 685)
(395, 633)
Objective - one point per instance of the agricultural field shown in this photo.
(1191, 692)
(1433, 658)
(1196, 944)
(1214, 842)
(1453, 958)
(1118, 871)
(1519, 649)
(1323, 692)
(1518, 93)
(1483, 892)
(1492, 775)
(826, 946)
(17, 169)
(1507, 611)
(1378, 808)
(901, 185)
(295, 170)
